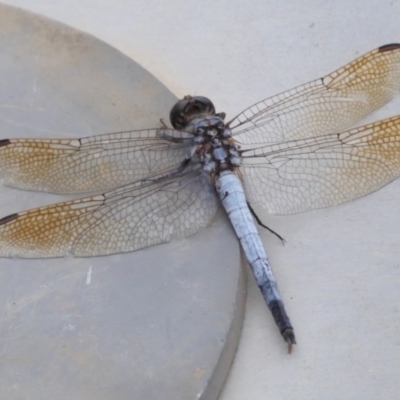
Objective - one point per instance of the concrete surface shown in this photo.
(162, 320)
(339, 271)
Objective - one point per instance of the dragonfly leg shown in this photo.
(184, 164)
(259, 222)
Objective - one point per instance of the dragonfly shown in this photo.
(290, 153)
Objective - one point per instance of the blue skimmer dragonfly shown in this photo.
(289, 153)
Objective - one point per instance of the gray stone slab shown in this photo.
(161, 323)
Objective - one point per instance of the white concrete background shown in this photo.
(340, 269)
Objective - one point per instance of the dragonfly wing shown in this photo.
(327, 105)
(126, 219)
(307, 174)
(90, 164)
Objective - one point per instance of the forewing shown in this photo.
(90, 164)
(302, 175)
(126, 219)
(327, 105)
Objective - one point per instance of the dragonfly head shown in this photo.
(185, 110)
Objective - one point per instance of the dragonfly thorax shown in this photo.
(213, 143)
(215, 147)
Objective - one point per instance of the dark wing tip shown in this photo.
(9, 218)
(389, 47)
(4, 142)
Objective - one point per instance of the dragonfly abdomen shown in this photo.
(232, 196)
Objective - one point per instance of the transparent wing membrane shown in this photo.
(129, 218)
(327, 105)
(89, 164)
(296, 176)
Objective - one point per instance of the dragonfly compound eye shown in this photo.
(189, 108)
